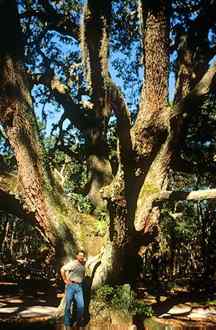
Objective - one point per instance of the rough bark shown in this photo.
(151, 127)
(156, 49)
(18, 121)
(197, 195)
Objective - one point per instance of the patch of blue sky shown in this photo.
(212, 40)
(127, 73)
(132, 89)
(211, 37)
(53, 113)
(213, 60)
(172, 78)
(63, 45)
(171, 83)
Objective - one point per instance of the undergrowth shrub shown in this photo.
(120, 298)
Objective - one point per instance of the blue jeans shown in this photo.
(74, 292)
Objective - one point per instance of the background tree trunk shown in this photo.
(95, 42)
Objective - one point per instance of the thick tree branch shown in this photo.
(193, 47)
(123, 118)
(94, 44)
(72, 110)
(177, 129)
(185, 195)
(195, 97)
(188, 105)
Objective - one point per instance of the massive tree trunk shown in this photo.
(152, 126)
(146, 150)
(36, 186)
(18, 120)
(140, 146)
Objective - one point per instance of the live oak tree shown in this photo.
(147, 148)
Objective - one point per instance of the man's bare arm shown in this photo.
(63, 275)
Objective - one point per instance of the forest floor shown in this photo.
(33, 305)
(181, 308)
(26, 304)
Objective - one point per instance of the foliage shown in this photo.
(101, 226)
(71, 172)
(121, 298)
(187, 241)
(7, 158)
(23, 253)
(104, 293)
(81, 202)
(198, 148)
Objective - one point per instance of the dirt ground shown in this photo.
(37, 307)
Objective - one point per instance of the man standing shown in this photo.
(73, 274)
